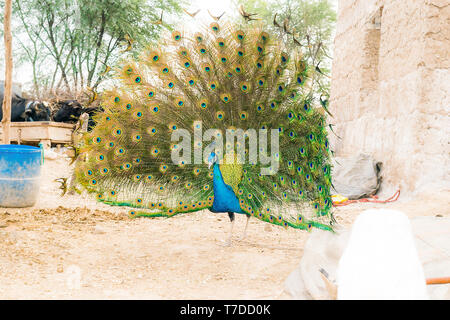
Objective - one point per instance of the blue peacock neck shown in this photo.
(225, 199)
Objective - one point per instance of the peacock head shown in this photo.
(212, 159)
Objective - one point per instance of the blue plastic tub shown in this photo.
(20, 173)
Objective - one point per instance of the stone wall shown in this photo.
(390, 93)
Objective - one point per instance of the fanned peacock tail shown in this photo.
(226, 77)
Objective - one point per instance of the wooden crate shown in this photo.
(45, 132)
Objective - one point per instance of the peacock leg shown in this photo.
(244, 234)
(231, 216)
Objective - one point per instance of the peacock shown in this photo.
(226, 119)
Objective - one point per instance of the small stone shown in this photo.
(60, 269)
(268, 228)
(99, 230)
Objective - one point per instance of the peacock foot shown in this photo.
(225, 243)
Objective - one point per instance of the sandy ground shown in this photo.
(72, 247)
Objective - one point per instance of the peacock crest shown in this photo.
(176, 105)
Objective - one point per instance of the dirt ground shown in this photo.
(72, 247)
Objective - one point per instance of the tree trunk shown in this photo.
(8, 73)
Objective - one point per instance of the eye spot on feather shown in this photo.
(116, 99)
(214, 26)
(97, 140)
(120, 151)
(240, 35)
(273, 105)
(176, 35)
(183, 52)
(152, 131)
(137, 115)
(117, 132)
(110, 145)
(127, 166)
(203, 104)
(163, 168)
(225, 97)
(243, 115)
(154, 151)
(180, 103)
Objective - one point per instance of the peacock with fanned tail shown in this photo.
(226, 79)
